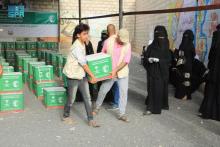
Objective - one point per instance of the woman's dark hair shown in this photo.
(79, 29)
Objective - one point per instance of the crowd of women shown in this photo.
(185, 72)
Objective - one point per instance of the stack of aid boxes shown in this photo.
(30, 73)
(43, 76)
(32, 49)
(11, 92)
(25, 62)
(100, 65)
(19, 58)
(54, 97)
(59, 65)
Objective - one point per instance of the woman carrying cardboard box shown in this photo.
(75, 69)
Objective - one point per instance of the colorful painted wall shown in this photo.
(202, 23)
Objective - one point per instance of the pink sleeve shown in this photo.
(104, 49)
(127, 58)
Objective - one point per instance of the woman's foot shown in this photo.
(68, 120)
(147, 113)
(93, 124)
(123, 118)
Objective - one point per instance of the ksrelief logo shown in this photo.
(52, 19)
(105, 68)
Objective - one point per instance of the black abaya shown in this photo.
(158, 72)
(210, 107)
(187, 54)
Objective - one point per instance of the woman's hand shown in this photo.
(114, 74)
(93, 80)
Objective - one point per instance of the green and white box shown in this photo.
(7, 69)
(54, 96)
(43, 73)
(11, 81)
(100, 64)
(11, 102)
(38, 88)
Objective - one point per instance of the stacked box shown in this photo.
(11, 102)
(41, 45)
(11, 62)
(54, 97)
(11, 82)
(25, 67)
(52, 45)
(38, 88)
(25, 62)
(10, 54)
(30, 72)
(20, 45)
(33, 53)
(43, 76)
(11, 90)
(7, 69)
(10, 46)
(19, 65)
(100, 65)
(48, 57)
(4, 63)
(31, 46)
(43, 73)
(59, 65)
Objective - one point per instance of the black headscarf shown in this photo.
(160, 49)
(212, 52)
(187, 45)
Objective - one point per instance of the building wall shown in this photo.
(141, 27)
(202, 23)
(69, 8)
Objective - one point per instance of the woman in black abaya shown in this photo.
(210, 107)
(184, 66)
(157, 61)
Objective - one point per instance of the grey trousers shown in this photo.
(123, 92)
(83, 86)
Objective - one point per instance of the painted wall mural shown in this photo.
(202, 23)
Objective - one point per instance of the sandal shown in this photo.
(123, 118)
(93, 124)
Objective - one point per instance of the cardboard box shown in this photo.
(20, 45)
(100, 64)
(7, 69)
(54, 96)
(31, 45)
(25, 62)
(11, 81)
(43, 73)
(11, 102)
(38, 88)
